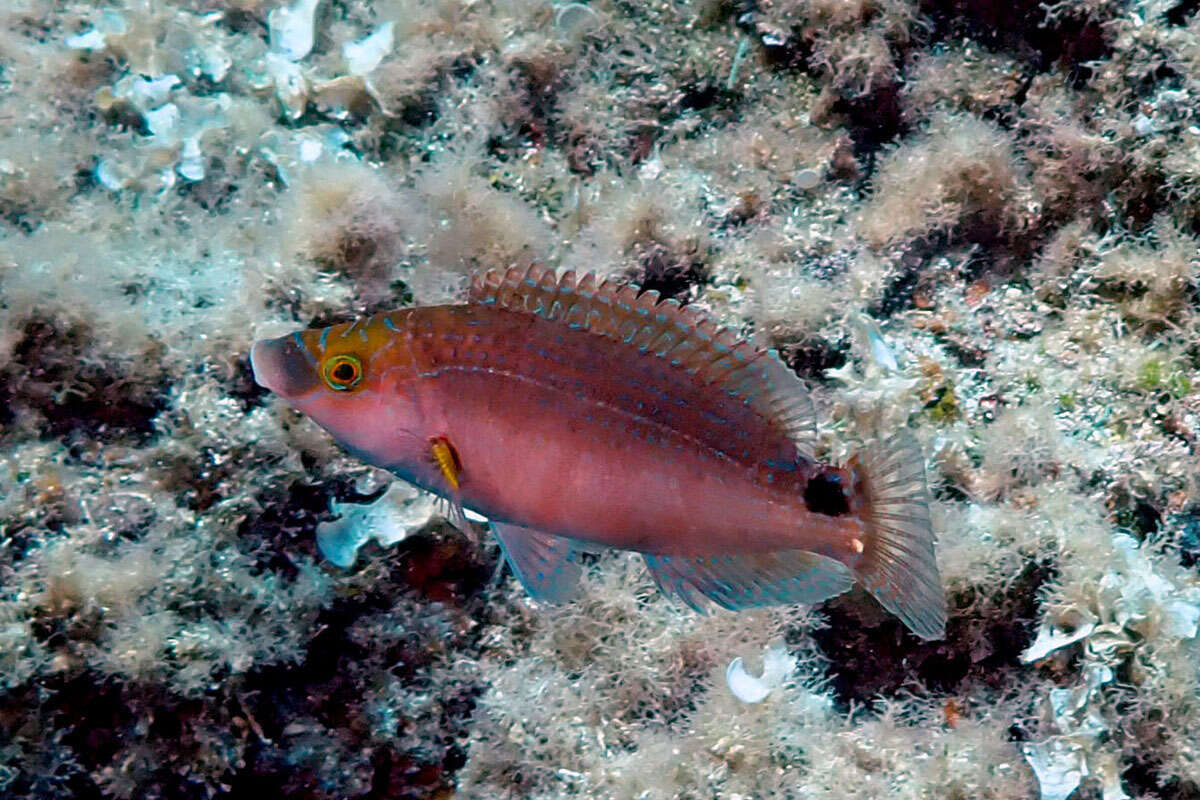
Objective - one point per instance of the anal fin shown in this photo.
(760, 579)
(547, 565)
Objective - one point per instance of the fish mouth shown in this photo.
(283, 366)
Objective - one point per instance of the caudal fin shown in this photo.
(898, 565)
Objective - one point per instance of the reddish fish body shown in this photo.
(606, 444)
(573, 415)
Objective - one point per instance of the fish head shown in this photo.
(354, 380)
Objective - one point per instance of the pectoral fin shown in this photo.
(547, 565)
(448, 463)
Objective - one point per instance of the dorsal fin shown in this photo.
(691, 341)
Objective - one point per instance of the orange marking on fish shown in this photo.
(594, 416)
(447, 460)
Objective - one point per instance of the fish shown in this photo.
(576, 414)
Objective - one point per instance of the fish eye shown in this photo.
(343, 372)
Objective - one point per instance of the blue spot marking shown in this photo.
(391, 326)
(324, 337)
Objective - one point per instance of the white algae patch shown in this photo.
(1062, 761)
(292, 29)
(1052, 637)
(777, 666)
(365, 55)
(400, 511)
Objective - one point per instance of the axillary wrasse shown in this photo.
(575, 413)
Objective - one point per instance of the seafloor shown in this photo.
(977, 219)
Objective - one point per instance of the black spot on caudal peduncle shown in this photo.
(825, 494)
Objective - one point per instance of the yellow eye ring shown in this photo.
(342, 373)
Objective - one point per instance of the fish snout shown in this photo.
(284, 366)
